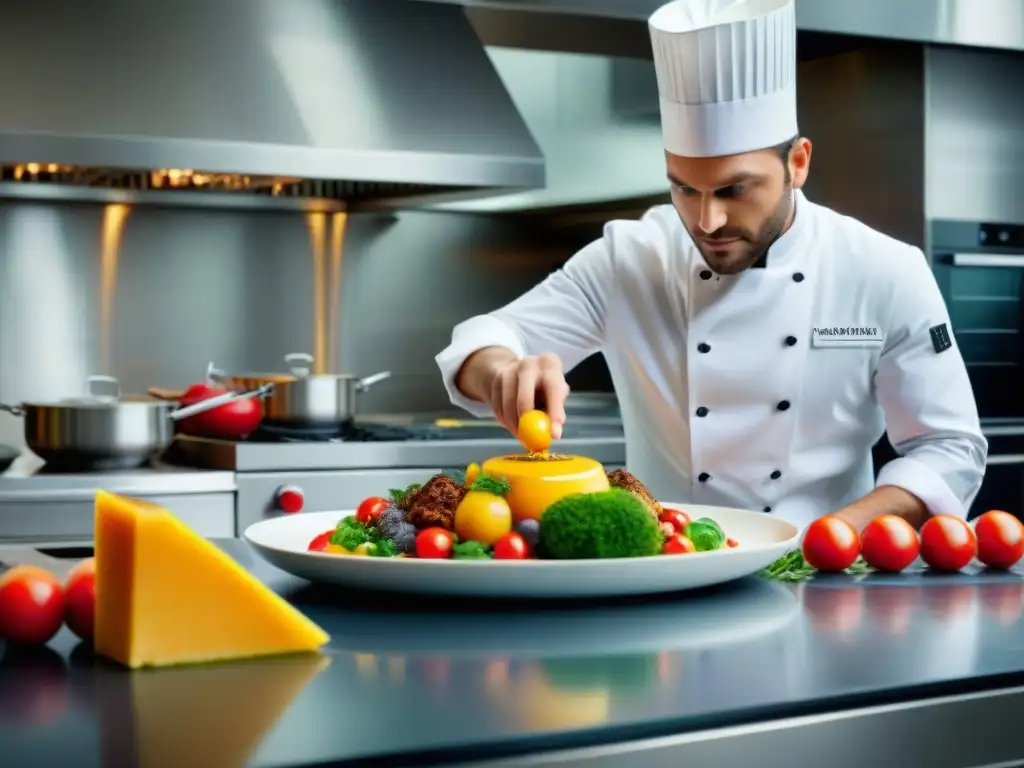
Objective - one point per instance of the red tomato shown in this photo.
(678, 544)
(511, 546)
(678, 520)
(369, 510)
(31, 605)
(830, 544)
(1000, 539)
(319, 544)
(731, 543)
(889, 543)
(947, 543)
(232, 421)
(80, 599)
(434, 544)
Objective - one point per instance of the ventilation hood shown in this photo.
(366, 101)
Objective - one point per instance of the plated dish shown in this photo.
(532, 524)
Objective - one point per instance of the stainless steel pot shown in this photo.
(105, 430)
(304, 399)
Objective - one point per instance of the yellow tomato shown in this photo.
(483, 517)
(472, 473)
(535, 431)
(362, 550)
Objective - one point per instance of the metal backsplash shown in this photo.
(151, 295)
(975, 135)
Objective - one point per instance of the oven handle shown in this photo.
(1004, 459)
(988, 260)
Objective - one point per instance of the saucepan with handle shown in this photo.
(302, 399)
(105, 430)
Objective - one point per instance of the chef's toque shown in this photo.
(726, 75)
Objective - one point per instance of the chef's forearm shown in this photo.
(886, 500)
(476, 376)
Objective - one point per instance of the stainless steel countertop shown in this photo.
(448, 680)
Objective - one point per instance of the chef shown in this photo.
(759, 344)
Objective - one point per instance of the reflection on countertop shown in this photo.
(450, 678)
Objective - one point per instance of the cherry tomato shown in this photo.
(472, 473)
(1000, 539)
(369, 510)
(482, 517)
(947, 543)
(80, 599)
(511, 546)
(889, 543)
(830, 544)
(31, 605)
(667, 529)
(321, 542)
(434, 544)
(731, 543)
(678, 520)
(535, 431)
(677, 544)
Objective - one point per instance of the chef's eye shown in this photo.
(682, 189)
(733, 190)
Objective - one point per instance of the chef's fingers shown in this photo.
(555, 391)
(526, 390)
(498, 388)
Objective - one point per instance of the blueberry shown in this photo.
(404, 538)
(529, 530)
(389, 521)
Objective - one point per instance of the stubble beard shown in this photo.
(735, 261)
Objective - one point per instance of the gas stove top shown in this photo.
(375, 445)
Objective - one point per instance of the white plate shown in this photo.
(283, 542)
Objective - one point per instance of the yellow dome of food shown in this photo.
(538, 481)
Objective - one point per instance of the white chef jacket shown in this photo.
(729, 394)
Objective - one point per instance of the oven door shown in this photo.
(983, 295)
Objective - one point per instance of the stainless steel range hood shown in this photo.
(353, 99)
(976, 23)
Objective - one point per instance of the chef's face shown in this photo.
(736, 206)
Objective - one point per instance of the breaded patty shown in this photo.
(621, 478)
(435, 503)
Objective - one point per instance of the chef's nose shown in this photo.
(712, 214)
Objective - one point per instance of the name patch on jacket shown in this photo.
(846, 336)
(940, 338)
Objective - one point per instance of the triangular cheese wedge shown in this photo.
(165, 595)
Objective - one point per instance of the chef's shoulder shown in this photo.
(872, 265)
(639, 248)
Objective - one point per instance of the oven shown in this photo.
(979, 267)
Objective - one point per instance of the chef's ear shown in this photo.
(800, 161)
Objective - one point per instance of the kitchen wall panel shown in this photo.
(975, 135)
(185, 286)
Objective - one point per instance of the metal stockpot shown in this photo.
(104, 431)
(303, 399)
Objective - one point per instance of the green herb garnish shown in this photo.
(470, 550)
(498, 486)
(400, 495)
(793, 567)
(350, 533)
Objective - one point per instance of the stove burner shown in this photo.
(320, 433)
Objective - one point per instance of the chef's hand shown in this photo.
(523, 385)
